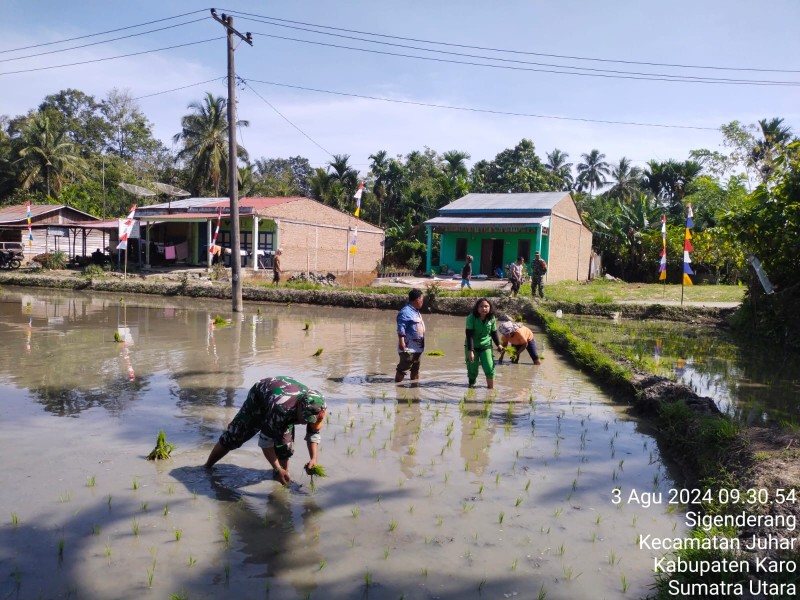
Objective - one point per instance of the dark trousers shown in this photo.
(537, 282)
(531, 348)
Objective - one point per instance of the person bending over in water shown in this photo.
(272, 408)
(520, 338)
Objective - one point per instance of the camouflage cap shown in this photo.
(313, 403)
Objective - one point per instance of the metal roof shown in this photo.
(478, 221)
(486, 203)
(212, 204)
(19, 212)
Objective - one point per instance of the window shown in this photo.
(461, 248)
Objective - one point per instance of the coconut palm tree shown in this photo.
(44, 150)
(379, 168)
(343, 180)
(455, 166)
(204, 134)
(626, 180)
(775, 136)
(592, 171)
(557, 164)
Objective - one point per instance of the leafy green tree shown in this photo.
(204, 134)
(343, 181)
(592, 172)
(775, 136)
(82, 118)
(45, 156)
(378, 170)
(282, 176)
(319, 185)
(131, 133)
(669, 181)
(516, 169)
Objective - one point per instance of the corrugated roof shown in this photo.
(19, 213)
(485, 203)
(188, 217)
(477, 221)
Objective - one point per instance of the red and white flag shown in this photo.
(357, 196)
(125, 230)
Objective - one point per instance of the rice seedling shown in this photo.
(117, 337)
(227, 571)
(468, 554)
(466, 465)
(597, 519)
(170, 489)
(318, 352)
(135, 527)
(162, 448)
(561, 550)
(634, 520)
(354, 512)
(427, 539)
(392, 525)
(446, 477)
(480, 585)
(435, 353)
(219, 321)
(109, 501)
(192, 561)
(497, 479)
(528, 485)
(306, 325)
(14, 519)
(624, 582)
(412, 450)
(166, 509)
(514, 565)
(180, 595)
(424, 571)
(368, 579)
(501, 517)
(226, 535)
(557, 512)
(411, 509)
(108, 551)
(439, 520)
(144, 506)
(178, 534)
(61, 547)
(65, 497)
(353, 542)
(574, 484)
(466, 506)
(542, 593)
(150, 573)
(386, 553)
(612, 558)
(96, 529)
(91, 481)
(135, 483)
(594, 537)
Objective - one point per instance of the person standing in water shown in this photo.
(481, 331)
(410, 336)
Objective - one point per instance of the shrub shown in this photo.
(52, 260)
(93, 270)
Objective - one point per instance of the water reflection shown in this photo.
(755, 384)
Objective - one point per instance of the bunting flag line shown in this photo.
(30, 230)
(127, 227)
(357, 212)
(214, 249)
(687, 247)
(662, 269)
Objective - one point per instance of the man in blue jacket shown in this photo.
(410, 336)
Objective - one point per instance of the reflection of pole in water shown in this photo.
(127, 360)
(657, 352)
(680, 367)
(477, 433)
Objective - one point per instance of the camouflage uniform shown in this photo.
(271, 409)
(537, 273)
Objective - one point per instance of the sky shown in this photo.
(741, 39)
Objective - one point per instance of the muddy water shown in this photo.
(433, 492)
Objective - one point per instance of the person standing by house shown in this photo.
(520, 338)
(276, 267)
(273, 407)
(515, 276)
(538, 269)
(481, 331)
(410, 336)
(466, 273)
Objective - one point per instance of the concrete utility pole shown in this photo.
(233, 174)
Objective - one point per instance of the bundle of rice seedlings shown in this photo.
(162, 449)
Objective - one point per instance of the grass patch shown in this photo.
(605, 292)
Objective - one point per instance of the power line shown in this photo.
(83, 37)
(670, 78)
(284, 117)
(485, 110)
(123, 37)
(97, 60)
(184, 87)
(255, 17)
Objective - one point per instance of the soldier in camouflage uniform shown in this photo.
(272, 408)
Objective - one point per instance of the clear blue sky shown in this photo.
(721, 33)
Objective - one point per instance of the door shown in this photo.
(491, 256)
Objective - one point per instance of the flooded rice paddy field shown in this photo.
(754, 383)
(434, 491)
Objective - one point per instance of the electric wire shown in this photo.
(183, 87)
(674, 79)
(254, 17)
(485, 110)
(284, 117)
(97, 60)
(83, 37)
(704, 79)
(123, 37)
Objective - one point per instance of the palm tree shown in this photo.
(343, 178)
(205, 140)
(592, 171)
(668, 181)
(44, 149)
(379, 168)
(455, 166)
(557, 164)
(319, 184)
(626, 180)
(396, 184)
(775, 136)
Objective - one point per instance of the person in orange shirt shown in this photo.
(520, 338)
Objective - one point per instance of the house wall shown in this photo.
(447, 253)
(570, 245)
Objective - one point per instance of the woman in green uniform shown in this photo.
(481, 332)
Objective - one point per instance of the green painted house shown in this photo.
(496, 229)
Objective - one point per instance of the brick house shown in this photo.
(314, 237)
(496, 229)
